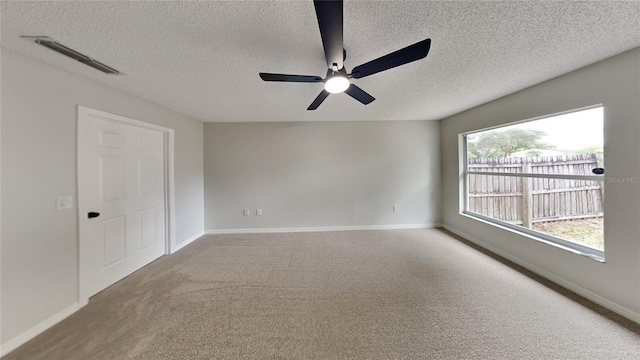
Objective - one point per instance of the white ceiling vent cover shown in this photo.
(66, 51)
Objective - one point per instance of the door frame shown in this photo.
(84, 113)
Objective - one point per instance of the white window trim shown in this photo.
(529, 233)
(545, 238)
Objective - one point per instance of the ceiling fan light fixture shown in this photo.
(336, 84)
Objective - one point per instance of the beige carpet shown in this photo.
(334, 295)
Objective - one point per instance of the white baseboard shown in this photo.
(613, 306)
(321, 228)
(37, 329)
(56, 318)
(186, 242)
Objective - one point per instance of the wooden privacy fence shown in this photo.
(525, 201)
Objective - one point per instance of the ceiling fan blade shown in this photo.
(319, 99)
(329, 14)
(411, 53)
(359, 94)
(290, 78)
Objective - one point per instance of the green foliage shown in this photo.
(503, 143)
(533, 153)
(593, 149)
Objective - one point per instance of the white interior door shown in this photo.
(121, 198)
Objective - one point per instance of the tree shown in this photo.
(503, 143)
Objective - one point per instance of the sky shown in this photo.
(572, 131)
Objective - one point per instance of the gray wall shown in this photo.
(321, 174)
(39, 243)
(616, 84)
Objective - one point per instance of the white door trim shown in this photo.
(170, 220)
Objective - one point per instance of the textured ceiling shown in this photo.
(202, 58)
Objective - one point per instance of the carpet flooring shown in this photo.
(396, 294)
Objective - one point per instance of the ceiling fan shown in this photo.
(337, 80)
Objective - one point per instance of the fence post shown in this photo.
(527, 198)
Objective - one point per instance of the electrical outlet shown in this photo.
(64, 202)
(395, 208)
(259, 212)
(245, 212)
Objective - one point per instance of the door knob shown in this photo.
(92, 215)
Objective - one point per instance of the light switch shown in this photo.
(259, 212)
(245, 212)
(64, 202)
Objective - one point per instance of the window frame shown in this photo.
(584, 250)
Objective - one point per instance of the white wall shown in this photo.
(321, 174)
(616, 84)
(40, 243)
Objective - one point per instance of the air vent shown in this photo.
(66, 51)
(100, 66)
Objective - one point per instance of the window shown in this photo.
(542, 177)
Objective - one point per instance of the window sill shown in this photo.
(593, 254)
